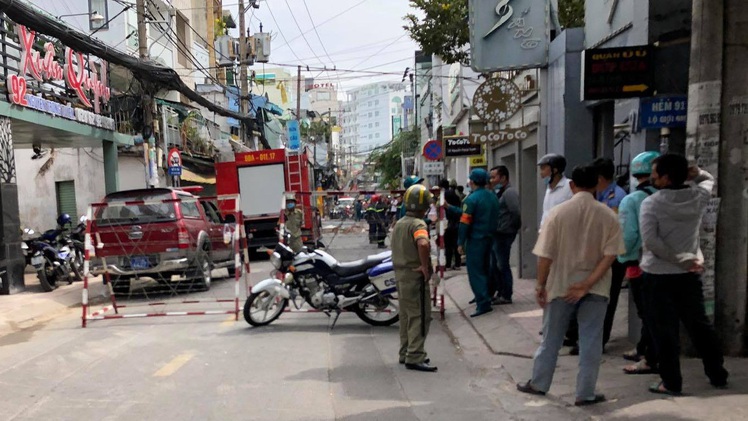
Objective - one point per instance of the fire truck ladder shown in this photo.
(293, 160)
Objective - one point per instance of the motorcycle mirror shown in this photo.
(83, 219)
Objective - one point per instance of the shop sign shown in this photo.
(89, 86)
(620, 72)
(499, 137)
(667, 111)
(460, 146)
(479, 161)
(311, 86)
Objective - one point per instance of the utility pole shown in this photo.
(716, 128)
(298, 94)
(147, 103)
(244, 86)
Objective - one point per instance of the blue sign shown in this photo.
(294, 136)
(666, 111)
(175, 171)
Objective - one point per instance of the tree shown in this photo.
(444, 29)
(387, 159)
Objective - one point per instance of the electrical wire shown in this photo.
(382, 49)
(319, 38)
(280, 31)
(322, 23)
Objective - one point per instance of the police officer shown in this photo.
(294, 219)
(411, 258)
(372, 216)
(380, 219)
(478, 223)
(407, 183)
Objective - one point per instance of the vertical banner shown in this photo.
(508, 34)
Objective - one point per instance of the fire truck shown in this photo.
(261, 178)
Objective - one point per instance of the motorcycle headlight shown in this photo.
(288, 279)
(275, 260)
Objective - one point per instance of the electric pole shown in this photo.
(244, 86)
(147, 102)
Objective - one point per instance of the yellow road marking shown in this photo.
(172, 366)
(229, 321)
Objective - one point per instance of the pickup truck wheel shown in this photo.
(203, 268)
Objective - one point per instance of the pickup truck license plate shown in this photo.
(140, 262)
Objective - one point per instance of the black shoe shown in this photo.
(571, 342)
(472, 301)
(585, 402)
(421, 367)
(501, 300)
(574, 350)
(382, 246)
(481, 312)
(527, 388)
(426, 361)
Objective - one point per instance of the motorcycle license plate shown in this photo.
(140, 262)
(37, 260)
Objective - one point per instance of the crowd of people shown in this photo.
(593, 235)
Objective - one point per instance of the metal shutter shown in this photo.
(65, 191)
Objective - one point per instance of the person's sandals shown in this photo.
(632, 356)
(639, 368)
(527, 388)
(584, 402)
(660, 389)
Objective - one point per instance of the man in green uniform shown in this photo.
(407, 183)
(294, 219)
(411, 258)
(480, 213)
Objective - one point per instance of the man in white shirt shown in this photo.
(552, 168)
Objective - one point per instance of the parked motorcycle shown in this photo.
(51, 260)
(366, 287)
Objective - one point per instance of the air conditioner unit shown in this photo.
(261, 47)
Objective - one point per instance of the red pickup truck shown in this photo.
(168, 235)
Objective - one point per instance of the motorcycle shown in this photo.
(366, 287)
(51, 258)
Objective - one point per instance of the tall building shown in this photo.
(373, 114)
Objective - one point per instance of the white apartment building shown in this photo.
(372, 114)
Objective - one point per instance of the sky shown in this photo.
(351, 35)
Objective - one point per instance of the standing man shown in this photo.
(372, 218)
(552, 167)
(357, 207)
(645, 355)
(411, 258)
(509, 224)
(672, 262)
(611, 195)
(407, 183)
(453, 225)
(578, 243)
(478, 223)
(380, 221)
(294, 219)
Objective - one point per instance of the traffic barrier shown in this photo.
(437, 290)
(172, 249)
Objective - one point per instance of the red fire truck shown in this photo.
(261, 178)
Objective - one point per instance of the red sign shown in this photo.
(271, 156)
(432, 150)
(84, 83)
(328, 85)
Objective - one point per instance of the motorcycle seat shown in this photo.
(361, 265)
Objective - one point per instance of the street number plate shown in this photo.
(140, 262)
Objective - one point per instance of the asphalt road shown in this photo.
(213, 368)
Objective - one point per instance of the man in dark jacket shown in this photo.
(510, 221)
(453, 225)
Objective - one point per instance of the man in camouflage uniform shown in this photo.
(294, 219)
(411, 258)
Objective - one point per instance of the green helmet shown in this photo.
(642, 163)
(417, 198)
(409, 181)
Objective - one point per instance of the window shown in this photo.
(370, 125)
(98, 7)
(212, 213)
(65, 193)
(376, 135)
(369, 136)
(376, 102)
(189, 208)
(376, 113)
(376, 124)
(182, 39)
(323, 96)
(369, 115)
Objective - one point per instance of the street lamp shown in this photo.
(94, 16)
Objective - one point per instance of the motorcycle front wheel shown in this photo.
(47, 276)
(379, 311)
(262, 308)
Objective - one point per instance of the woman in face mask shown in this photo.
(558, 191)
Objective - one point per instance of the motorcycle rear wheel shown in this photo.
(371, 313)
(268, 315)
(47, 276)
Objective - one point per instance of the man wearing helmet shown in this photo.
(294, 218)
(628, 215)
(411, 258)
(480, 212)
(407, 183)
(552, 168)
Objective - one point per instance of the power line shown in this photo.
(319, 39)
(322, 23)
(293, 16)
(382, 49)
(280, 31)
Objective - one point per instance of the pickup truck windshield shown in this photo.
(119, 214)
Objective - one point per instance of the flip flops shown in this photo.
(659, 388)
(584, 402)
(632, 356)
(639, 368)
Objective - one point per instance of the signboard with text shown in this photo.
(665, 111)
(615, 73)
(272, 156)
(294, 135)
(175, 162)
(460, 146)
(498, 137)
(508, 34)
(433, 168)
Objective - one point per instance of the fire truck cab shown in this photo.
(261, 178)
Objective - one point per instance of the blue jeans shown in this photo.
(591, 316)
(502, 281)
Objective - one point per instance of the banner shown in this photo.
(508, 34)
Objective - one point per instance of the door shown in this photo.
(65, 194)
(220, 250)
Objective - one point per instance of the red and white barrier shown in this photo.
(93, 242)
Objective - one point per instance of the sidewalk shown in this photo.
(34, 307)
(511, 332)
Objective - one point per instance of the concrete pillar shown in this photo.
(12, 262)
(111, 167)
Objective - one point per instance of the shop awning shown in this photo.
(192, 177)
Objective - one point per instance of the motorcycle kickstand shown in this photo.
(337, 315)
